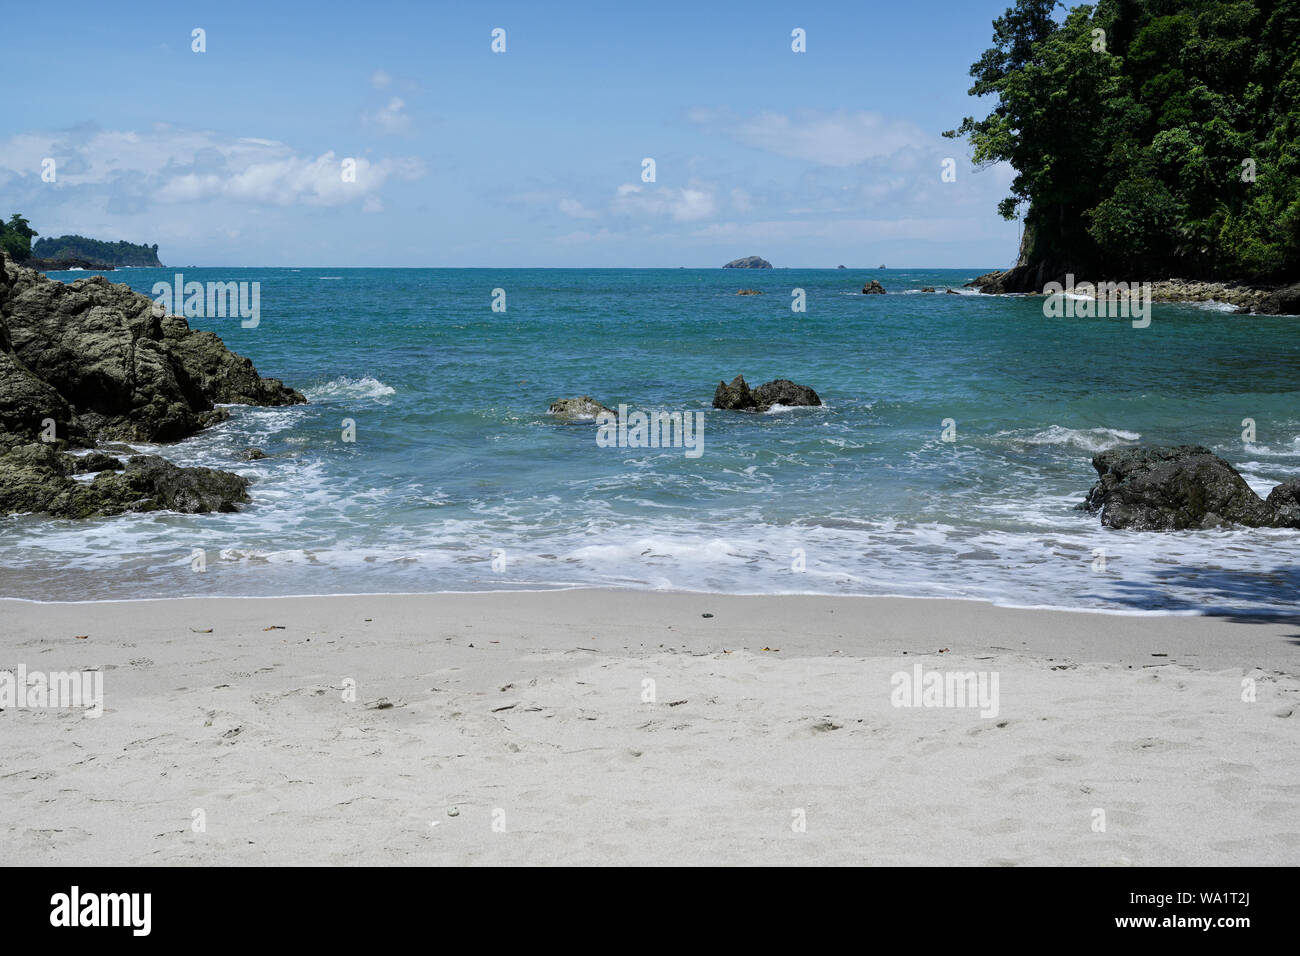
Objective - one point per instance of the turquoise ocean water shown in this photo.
(455, 458)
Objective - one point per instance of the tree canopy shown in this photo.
(16, 237)
(1149, 136)
(98, 250)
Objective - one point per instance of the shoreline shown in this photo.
(1204, 636)
(600, 727)
(1279, 298)
(569, 588)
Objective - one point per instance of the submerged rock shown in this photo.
(749, 262)
(252, 454)
(873, 288)
(583, 408)
(738, 397)
(1176, 488)
(749, 292)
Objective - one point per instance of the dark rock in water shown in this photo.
(735, 397)
(583, 408)
(34, 478)
(1285, 500)
(749, 262)
(126, 373)
(873, 288)
(96, 461)
(951, 292)
(749, 292)
(1174, 488)
(172, 488)
(91, 361)
(738, 397)
(782, 391)
(839, 267)
(252, 454)
(1284, 301)
(928, 288)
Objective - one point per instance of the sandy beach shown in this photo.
(612, 727)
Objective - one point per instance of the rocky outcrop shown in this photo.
(738, 397)
(581, 409)
(749, 262)
(1285, 500)
(1284, 301)
(62, 265)
(36, 477)
(749, 292)
(782, 391)
(92, 362)
(873, 288)
(126, 373)
(1249, 299)
(735, 397)
(1177, 488)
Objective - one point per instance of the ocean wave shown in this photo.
(1089, 439)
(778, 408)
(344, 387)
(1282, 451)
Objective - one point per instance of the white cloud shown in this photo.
(380, 79)
(827, 139)
(574, 209)
(681, 204)
(391, 118)
(173, 165)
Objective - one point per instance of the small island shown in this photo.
(749, 262)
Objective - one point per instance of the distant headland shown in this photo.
(71, 252)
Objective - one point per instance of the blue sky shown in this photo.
(531, 157)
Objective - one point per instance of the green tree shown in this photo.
(16, 237)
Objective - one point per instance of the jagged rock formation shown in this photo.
(1181, 487)
(92, 362)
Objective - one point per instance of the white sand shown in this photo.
(528, 708)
